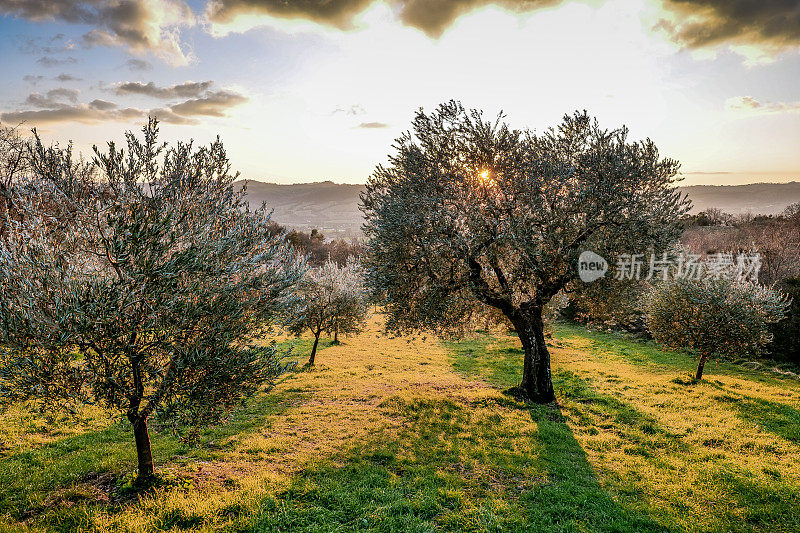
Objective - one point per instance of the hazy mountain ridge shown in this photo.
(333, 207)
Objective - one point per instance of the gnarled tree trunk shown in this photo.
(144, 453)
(537, 383)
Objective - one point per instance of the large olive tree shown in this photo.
(471, 211)
(136, 282)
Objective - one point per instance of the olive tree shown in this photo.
(331, 299)
(135, 282)
(470, 210)
(713, 316)
(13, 165)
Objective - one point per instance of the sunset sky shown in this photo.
(313, 90)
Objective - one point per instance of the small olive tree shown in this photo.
(470, 210)
(331, 299)
(713, 316)
(14, 163)
(135, 281)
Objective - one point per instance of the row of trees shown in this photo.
(316, 248)
(138, 280)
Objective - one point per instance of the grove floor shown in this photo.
(414, 434)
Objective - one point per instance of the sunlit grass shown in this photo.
(401, 434)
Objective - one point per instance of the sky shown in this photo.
(313, 90)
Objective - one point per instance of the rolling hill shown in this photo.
(333, 208)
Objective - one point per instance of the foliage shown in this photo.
(470, 210)
(316, 248)
(713, 316)
(786, 333)
(14, 164)
(331, 299)
(610, 304)
(135, 282)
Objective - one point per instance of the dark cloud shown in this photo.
(49, 61)
(430, 16)
(372, 125)
(696, 23)
(183, 90)
(55, 98)
(137, 65)
(702, 23)
(137, 25)
(214, 104)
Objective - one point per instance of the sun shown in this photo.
(484, 175)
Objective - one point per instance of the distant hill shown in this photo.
(329, 207)
(756, 198)
(333, 208)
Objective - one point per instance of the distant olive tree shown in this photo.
(135, 282)
(331, 299)
(14, 163)
(713, 316)
(470, 210)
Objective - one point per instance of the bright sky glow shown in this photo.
(295, 100)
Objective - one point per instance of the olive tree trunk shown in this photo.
(144, 453)
(537, 383)
(699, 375)
(314, 348)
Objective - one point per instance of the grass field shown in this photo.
(402, 434)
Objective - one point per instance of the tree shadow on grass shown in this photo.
(29, 478)
(777, 418)
(454, 467)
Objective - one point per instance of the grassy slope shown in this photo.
(400, 434)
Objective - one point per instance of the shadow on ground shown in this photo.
(455, 466)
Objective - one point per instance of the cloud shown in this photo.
(748, 104)
(61, 106)
(82, 113)
(136, 65)
(183, 90)
(102, 105)
(372, 125)
(66, 77)
(33, 80)
(49, 61)
(55, 98)
(170, 117)
(138, 25)
(214, 104)
(353, 110)
(771, 24)
(432, 17)
(38, 45)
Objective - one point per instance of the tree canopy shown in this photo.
(470, 211)
(135, 282)
(332, 299)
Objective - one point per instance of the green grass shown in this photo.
(399, 435)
